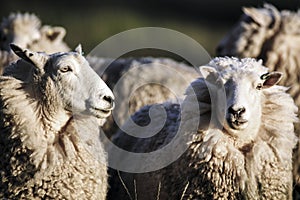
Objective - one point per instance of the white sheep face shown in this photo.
(238, 99)
(254, 29)
(71, 81)
(80, 87)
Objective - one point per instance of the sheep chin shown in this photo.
(234, 127)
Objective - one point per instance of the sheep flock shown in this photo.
(235, 118)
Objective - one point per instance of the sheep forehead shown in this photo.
(241, 79)
(233, 67)
(70, 58)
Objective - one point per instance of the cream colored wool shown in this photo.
(273, 36)
(48, 149)
(218, 165)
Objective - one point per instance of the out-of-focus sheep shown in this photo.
(241, 149)
(49, 104)
(274, 37)
(26, 31)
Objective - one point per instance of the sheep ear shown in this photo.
(262, 17)
(271, 79)
(209, 73)
(78, 49)
(37, 59)
(54, 34)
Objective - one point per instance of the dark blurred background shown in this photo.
(92, 21)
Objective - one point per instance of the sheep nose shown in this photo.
(109, 100)
(236, 111)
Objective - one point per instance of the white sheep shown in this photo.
(242, 148)
(272, 36)
(26, 31)
(49, 107)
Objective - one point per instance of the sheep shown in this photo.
(273, 36)
(21, 29)
(26, 31)
(50, 107)
(137, 82)
(239, 142)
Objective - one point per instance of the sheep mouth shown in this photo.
(237, 124)
(100, 112)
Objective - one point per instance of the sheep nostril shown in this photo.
(231, 110)
(237, 112)
(109, 99)
(241, 110)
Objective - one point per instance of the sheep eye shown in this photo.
(259, 86)
(66, 68)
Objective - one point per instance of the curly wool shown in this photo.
(37, 160)
(215, 165)
(273, 36)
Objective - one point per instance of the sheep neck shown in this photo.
(49, 106)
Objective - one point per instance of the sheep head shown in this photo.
(237, 92)
(254, 29)
(65, 80)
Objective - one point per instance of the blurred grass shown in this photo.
(101, 25)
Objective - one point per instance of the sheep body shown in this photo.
(219, 163)
(43, 153)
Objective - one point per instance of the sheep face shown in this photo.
(251, 33)
(68, 78)
(239, 98)
(80, 87)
